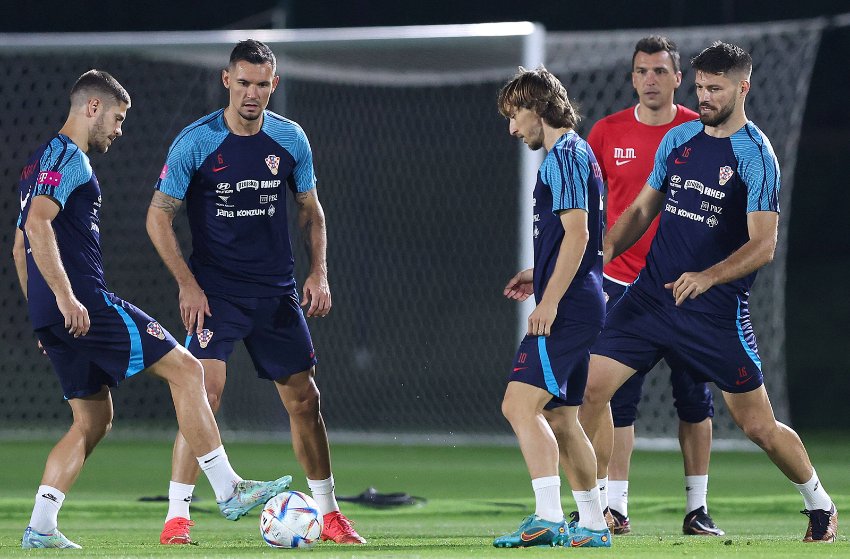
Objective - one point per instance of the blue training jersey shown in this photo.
(711, 184)
(570, 178)
(61, 170)
(235, 202)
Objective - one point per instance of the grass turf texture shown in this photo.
(474, 494)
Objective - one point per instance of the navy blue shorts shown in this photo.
(640, 331)
(122, 341)
(557, 363)
(693, 400)
(273, 329)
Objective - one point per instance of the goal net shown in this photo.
(426, 198)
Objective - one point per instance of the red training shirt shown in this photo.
(625, 149)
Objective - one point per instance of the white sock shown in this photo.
(323, 493)
(618, 496)
(48, 501)
(217, 468)
(547, 496)
(602, 485)
(590, 509)
(179, 499)
(814, 495)
(697, 489)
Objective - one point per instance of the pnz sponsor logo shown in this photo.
(696, 185)
(223, 188)
(266, 198)
(242, 185)
(269, 184)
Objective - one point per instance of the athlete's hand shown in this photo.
(194, 307)
(76, 315)
(540, 321)
(317, 294)
(521, 286)
(690, 285)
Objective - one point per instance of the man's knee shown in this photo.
(188, 369)
(304, 402)
(762, 433)
(94, 427)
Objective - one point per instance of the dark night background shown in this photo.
(819, 241)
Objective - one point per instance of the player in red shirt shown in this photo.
(625, 144)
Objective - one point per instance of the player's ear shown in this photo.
(275, 81)
(745, 86)
(225, 78)
(93, 105)
(678, 78)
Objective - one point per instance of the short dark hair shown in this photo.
(723, 58)
(658, 43)
(253, 51)
(98, 82)
(540, 91)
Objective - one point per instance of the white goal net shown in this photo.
(425, 196)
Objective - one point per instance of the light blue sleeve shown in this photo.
(566, 171)
(62, 169)
(758, 168)
(674, 138)
(187, 153)
(292, 138)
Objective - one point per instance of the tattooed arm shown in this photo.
(160, 224)
(311, 222)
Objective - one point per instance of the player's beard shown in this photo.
(99, 138)
(249, 116)
(721, 116)
(534, 145)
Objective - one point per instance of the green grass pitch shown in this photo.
(473, 495)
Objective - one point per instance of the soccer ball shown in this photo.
(291, 519)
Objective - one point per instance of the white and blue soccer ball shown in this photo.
(291, 519)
